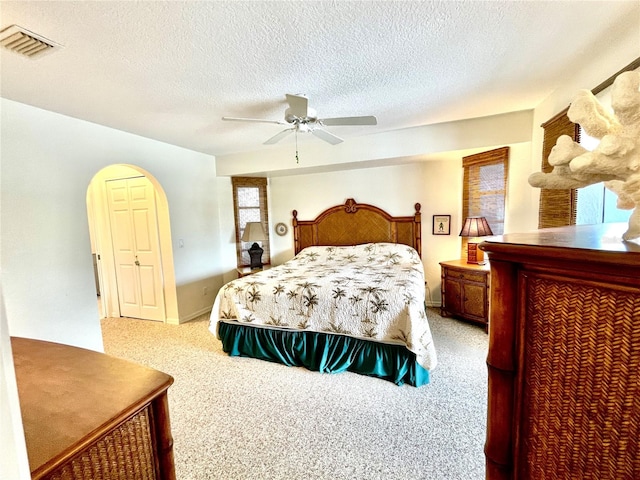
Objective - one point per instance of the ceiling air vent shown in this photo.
(24, 42)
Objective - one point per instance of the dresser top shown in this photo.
(68, 394)
(602, 243)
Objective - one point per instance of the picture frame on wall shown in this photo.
(442, 224)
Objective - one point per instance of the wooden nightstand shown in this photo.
(244, 271)
(465, 291)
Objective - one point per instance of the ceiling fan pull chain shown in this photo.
(297, 160)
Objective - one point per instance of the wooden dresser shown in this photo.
(88, 415)
(564, 355)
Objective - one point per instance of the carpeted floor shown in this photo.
(240, 419)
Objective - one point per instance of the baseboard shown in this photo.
(192, 316)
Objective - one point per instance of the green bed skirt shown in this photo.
(327, 353)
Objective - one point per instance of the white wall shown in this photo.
(48, 161)
(395, 189)
(14, 463)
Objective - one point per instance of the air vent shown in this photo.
(24, 42)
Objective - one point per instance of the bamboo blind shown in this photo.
(557, 207)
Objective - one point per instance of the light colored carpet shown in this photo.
(239, 419)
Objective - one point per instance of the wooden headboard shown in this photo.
(356, 223)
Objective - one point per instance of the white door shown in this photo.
(134, 231)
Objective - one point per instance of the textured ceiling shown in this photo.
(171, 70)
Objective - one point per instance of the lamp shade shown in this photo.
(253, 232)
(475, 227)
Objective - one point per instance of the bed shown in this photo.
(352, 298)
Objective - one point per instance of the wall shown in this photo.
(14, 463)
(48, 161)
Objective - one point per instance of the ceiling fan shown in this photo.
(300, 118)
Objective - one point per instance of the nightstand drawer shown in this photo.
(468, 276)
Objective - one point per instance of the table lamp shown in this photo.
(475, 227)
(253, 232)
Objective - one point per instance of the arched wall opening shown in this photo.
(102, 243)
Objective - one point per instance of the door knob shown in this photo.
(137, 262)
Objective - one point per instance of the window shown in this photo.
(485, 188)
(596, 204)
(559, 207)
(250, 205)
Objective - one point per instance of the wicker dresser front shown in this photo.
(90, 416)
(564, 356)
(124, 453)
(581, 413)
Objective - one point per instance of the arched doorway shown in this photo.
(104, 246)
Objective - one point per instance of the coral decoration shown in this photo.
(615, 161)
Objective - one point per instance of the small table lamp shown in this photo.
(253, 232)
(475, 227)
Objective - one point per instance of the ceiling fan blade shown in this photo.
(256, 120)
(326, 136)
(369, 120)
(299, 105)
(279, 136)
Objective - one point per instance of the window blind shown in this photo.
(557, 207)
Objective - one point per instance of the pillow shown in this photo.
(380, 253)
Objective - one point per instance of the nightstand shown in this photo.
(244, 271)
(465, 291)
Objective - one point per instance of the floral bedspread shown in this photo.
(374, 291)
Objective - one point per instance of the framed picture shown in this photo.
(441, 224)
